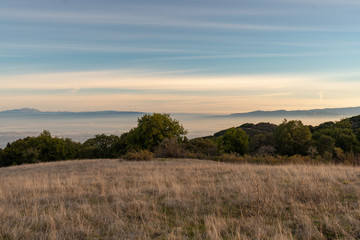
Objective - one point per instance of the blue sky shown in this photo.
(179, 56)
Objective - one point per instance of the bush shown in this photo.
(202, 147)
(235, 140)
(266, 151)
(261, 140)
(101, 146)
(141, 155)
(170, 148)
(43, 148)
(325, 145)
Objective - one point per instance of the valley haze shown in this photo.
(80, 126)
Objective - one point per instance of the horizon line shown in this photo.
(206, 113)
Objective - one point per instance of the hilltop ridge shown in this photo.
(348, 111)
(344, 112)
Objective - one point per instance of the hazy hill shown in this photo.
(35, 112)
(265, 127)
(346, 112)
(251, 129)
(355, 121)
(21, 111)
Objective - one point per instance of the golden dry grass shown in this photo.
(178, 199)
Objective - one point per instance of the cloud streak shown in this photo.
(122, 90)
(155, 21)
(87, 48)
(239, 56)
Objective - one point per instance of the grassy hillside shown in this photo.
(178, 199)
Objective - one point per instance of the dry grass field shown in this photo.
(178, 199)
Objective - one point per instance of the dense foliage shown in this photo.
(43, 148)
(234, 140)
(153, 129)
(158, 135)
(292, 137)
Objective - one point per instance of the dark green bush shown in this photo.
(101, 146)
(43, 148)
(235, 140)
(202, 147)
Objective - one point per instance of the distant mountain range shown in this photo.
(341, 112)
(345, 112)
(35, 112)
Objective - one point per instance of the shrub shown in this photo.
(141, 155)
(338, 135)
(325, 144)
(101, 146)
(260, 140)
(234, 140)
(202, 147)
(43, 148)
(266, 150)
(170, 148)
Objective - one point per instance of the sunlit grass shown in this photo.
(178, 199)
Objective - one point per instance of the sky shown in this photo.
(193, 56)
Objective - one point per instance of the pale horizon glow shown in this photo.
(187, 56)
(134, 91)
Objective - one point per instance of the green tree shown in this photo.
(261, 140)
(325, 145)
(101, 146)
(342, 133)
(42, 148)
(292, 137)
(152, 129)
(234, 140)
(202, 146)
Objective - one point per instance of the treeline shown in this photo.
(158, 135)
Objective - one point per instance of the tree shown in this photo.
(342, 133)
(234, 140)
(292, 137)
(202, 146)
(101, 146)
(42, 148)
(152, 129)
(261, 140)
(325, 145)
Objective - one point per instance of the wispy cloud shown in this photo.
(133, 12)
(156, 21)
(126, 89)
(8, 55)
(136, 78)
(234, 56)
(324, 2)
(281, 94)
(87, 48)
(140, 92)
